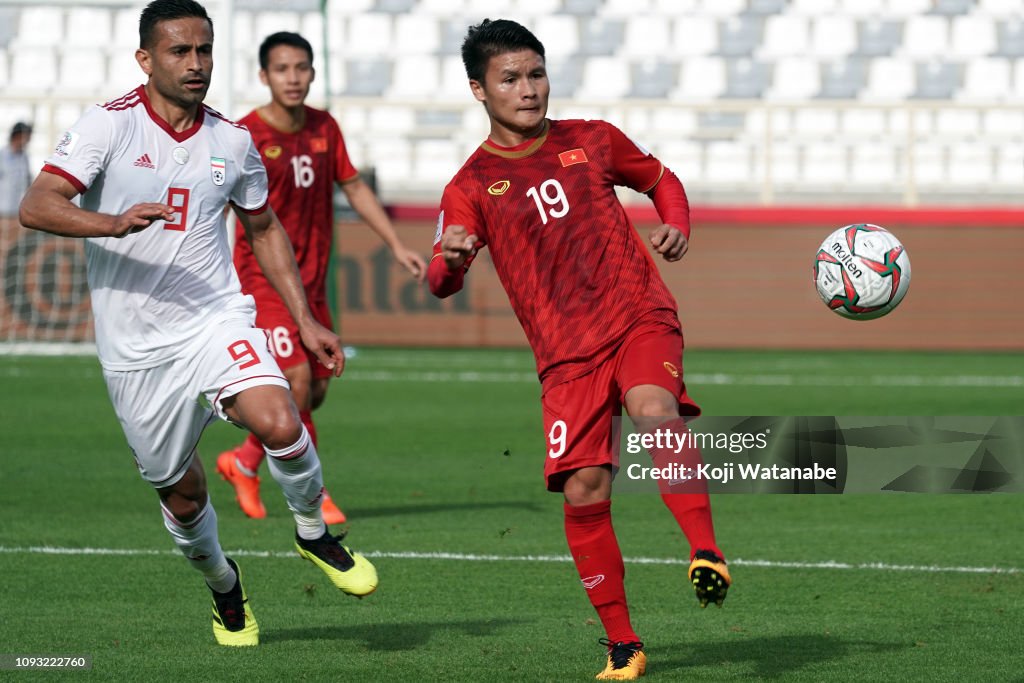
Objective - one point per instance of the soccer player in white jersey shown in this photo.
(155, 170)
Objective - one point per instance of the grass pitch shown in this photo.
(436, 456)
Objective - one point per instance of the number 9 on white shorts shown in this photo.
(164, 409)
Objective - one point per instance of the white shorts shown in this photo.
(160, 408)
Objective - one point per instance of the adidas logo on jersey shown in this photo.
(144, 161)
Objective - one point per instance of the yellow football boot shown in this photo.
(626, 661)
(233, 622)
(348, 571)
(709, 577)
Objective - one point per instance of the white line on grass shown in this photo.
(529, 376)
(471, 557)
(47, 349)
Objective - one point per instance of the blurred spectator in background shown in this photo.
(15, 175)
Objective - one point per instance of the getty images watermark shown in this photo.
(918, 454)
(679, 444)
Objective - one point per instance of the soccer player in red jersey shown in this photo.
(604, 328)
(304, 154)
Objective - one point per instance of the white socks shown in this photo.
(297, 470)
(198, 542)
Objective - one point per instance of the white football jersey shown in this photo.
(154, 289)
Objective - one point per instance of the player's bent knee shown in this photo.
(184, 510)
(649, 408)
(649, 401)
(277, 425)
(270, 414)
(582, 496)
(280, 431)
(588, 485)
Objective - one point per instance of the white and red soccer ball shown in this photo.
(862, 271)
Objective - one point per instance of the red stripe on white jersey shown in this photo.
(126, 101)
(217, 115)
(253, 212)
(78, 184)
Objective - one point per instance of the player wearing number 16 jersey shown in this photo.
(305, 155)
(155, 170)
(540, 196)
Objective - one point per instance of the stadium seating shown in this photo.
(39, 26)
(33, 70)
(842, 79)
(703, 83)
(833, 36)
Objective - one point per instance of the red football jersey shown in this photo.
(576, 272)
(302, 169)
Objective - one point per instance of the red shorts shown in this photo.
(578, 414)
(283, 333)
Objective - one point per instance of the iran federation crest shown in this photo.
(218, 170)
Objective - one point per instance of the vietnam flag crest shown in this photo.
(573, 156)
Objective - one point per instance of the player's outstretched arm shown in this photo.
(365, 203)
(274, 253)
(47, 206)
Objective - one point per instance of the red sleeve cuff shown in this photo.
(443, 282)
(252, 212)
(56, 170)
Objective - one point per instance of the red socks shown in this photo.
(307, 419)
(692, 510)
(693, 514)
(250, 453)
(595, 550)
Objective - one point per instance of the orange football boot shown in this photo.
(332, 513)
(247, 489)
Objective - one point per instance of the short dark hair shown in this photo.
(167, 10)
(283, 38)
(20, 128)
(491, 38)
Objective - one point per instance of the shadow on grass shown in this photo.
(393, 637)
(771, 657)
(426, 508)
